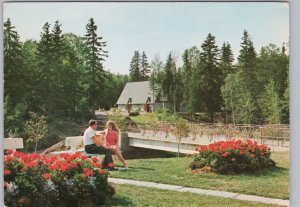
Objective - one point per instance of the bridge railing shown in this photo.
(262, 133)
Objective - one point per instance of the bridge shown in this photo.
(159, 141)
(187, 145)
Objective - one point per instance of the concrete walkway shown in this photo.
(201, 191)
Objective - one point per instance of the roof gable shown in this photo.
(137, 91)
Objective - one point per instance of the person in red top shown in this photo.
(112, 140)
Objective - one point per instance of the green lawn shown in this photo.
(140, 196)
(269, 183)
(143, 118)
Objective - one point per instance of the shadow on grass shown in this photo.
(276, 171)
(120, 200)
(267, 172)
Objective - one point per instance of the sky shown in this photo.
(156, 28)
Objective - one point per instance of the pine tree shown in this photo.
(29, 51)
(58, 55)
(211, 76)
(247, 63)
(169, 87)
(156, 76)
(144, 67)
(15, 85)
(135, 67)
(95, 74)
(46, 80)
(226, 60)
(247, 67)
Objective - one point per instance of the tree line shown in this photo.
(61, 76)
(254, 90)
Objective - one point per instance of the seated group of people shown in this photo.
(110, 146)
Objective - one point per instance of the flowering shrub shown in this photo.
(233, 156)
(65, 179)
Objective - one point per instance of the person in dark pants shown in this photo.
(92, 148)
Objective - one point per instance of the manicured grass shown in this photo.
(267, 183)
(140, 196)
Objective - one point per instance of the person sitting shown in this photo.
(111, 134)
(89, 139)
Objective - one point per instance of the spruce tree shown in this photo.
(144, 67)
(169, 85)
(58, 55)
(211, 76)
(135, 67)
(15, 85)
(226, 59)
(48, 69)
(95, 73)
(247, 64)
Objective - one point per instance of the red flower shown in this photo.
(111, 165)
(18, 154)
(54, 167)
(225, 154)
(83, 157)
(7, 172)
(102, 171)
(31, 164)
(35, 156)
(52, 159)
(95, 159)
(8, 152)
(64, 168)
(47, 176)
(8, 158)
(87, 172)
(98, 165)
(233, 159)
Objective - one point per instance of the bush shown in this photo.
(233, 156)
(119, 118)
(134, 113)
(67, 180)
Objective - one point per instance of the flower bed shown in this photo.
(61, 180)
(233, 156)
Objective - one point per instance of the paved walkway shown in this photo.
(201, 191)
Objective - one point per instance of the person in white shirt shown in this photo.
(91, 148)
